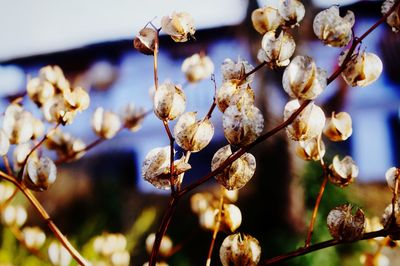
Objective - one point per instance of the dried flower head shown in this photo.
(17, 124)
(230, 93)
(292, 11)
(232, 70)
(197, 67)
(343, 172)
(236, 175)
(39, 174)
(14, 215)
(4, 142)
(266, 19)
(180, 26)
(308, 124)
(392, 176)
(105, 124)
(338, 127)
(169, 101)
(193, 135)
(58, 254)
(308, 149)
(276, 50)
(132, 117)
(240, 249)
(34, 237)
(362, 70)
(394, 18)
(303, 79)
(333, 29)
(344, 224)
(165, 246)
(145, 41)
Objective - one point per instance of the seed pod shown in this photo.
(180, 26)
(192, 135)
(4, 143)
(158, 263)
(199, 202)
(14, 215)
(208, 218)
(332, 29)
(343, 225)
(55, 110)
(120, 258)
(343, 172)
(276, 50)
(66, 146)
(308, 124)
(145, 41)
(387, 214)
(236, 175)
(132, 117)
(197, 67)
(394, 18)
(308, 149)
(38, 128)
(40, 91)
(20, 153)
(34, 237)
(292, 11)
(58, 254)
(230, 195)
(240, 249)
(376, 259)
(231, 218)
(232, 94)
(51, 74)
(40, 174)
(266, 19)
(362, 70)
(107, 244)
(303, 79)
(6, 191)
(242, 125)
(105, 124)
(77, 99)
(392, 175)
(169, 101)
(165, 246)
(338, 127)
(232, 70)
(17, 124)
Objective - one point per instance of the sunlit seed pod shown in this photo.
(230, 195)
(17, 124)
(199, 202)
(232, 70)
(107, 244)
(308, 124)
(338, 127)
(242, 125)
(231, 218)
(240, 249)
(266, 19)
(343, 172)
(38, 128)
(4, 143)
(364, 69)
(388, 214)
(34, 237)
(40, 174)
(332, 29)
(180, 26)
(344, 224)
(165, 246)
(308, 149)
(236, 175)
(232, 94)
(169, 101)
(77, 99)
(14, 215)
(392, 176)
(394, 18)
(197, 67)
(376, 259)
(58, 254)
(303, 79)
(56, 111)
(145, 41)
(120, 258)
(373, 224)
(51, 74)
(208, 218)
(6, 191)
(39, 91)
(105, 124)
(192, 135)
(292, 11)
(20, 153)
(65, 145)
(133, 117)
(276, 50)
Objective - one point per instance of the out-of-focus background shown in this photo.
(104, 191)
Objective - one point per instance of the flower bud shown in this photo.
(242, 125)
(303, 79)
(180, 26)
(343, 225)
(40, 174)
(4, 143)
(34, 237)
(132, 117)
(237, 174)
(392, 176)
(343, 172)
(231, 94)
(145, 41)
(232, 70)
(105, 124)
(308, 149)
(231, 218)
(276, 50)
(240, 249)
(362, 70)
(169, 101)
(394, 18)
(292, 11)
(338, 127)
(165, 246)
(197, 67)
(14, 215)
(332, 29)
(266, 19)
(58, 254)
(17, 124)
(308, 124)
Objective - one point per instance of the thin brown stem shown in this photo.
(171, 164)
(394, 199)
(216, 229)
(254, 70)
(7, 165)
(156, 44)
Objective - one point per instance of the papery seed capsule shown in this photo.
(276, 50)
(38, 128)
(230, 195)
(132, 117)
(193, 135)
(14, 215)
(165, 246)
(232, 94)
(199, 202)
(180, 26)
(120, 258)
(392, 176)
(107, 244)
(332, 29)
(77, 99)
(169, 101)
(17, 124)
(343, 225)
(308, 124)
(232, 70)
(240, 249)
(58, 254)
(368, 259)
(51, 74)
(20, 153)
(105, 124)
(231, 217)
(308, 149)
(266, 19)
(66, 146)
(55, 110)
(394, 18)
(338, 127)
(145, 41)
(238, 173)
(34, 237)
(343, 172)
(4, 143)
(292, 11)
(208, 218)
(40, 91)
(197, 67)
(40, 174)
(6, 191)
(362, 70)
(303, 79)
(388, 214)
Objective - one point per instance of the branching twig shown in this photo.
(216, 229)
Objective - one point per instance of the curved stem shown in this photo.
(216, 229)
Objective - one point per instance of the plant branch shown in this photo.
(216, 229)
